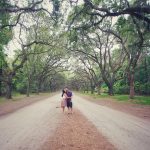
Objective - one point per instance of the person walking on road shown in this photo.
(63, 101)
(69, 100)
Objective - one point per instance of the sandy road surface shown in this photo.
(126, 132)
(29, 127)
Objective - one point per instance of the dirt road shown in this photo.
(125, 131)
(29, 127)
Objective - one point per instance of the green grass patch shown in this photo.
(144, 100)
(2, 100)
(121, 97)
(95, 95)
(17, 96)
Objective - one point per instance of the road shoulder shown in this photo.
(11, 106)
(137, 110)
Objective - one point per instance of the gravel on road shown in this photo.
(29, 127)
(125, 131)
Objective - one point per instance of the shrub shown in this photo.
(121, 89)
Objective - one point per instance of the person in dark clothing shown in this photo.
(69, 100)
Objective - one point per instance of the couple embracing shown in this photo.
(66, 100)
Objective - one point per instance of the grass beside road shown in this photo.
(18, 97)
(144, 100)
(2, 100)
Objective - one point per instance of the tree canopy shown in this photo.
(89, 45)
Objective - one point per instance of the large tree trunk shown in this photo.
(0, 81)
(110, 90)
(28, 88)
(9, 90)
(131, 81)
(146, 76)
(92, 89)
(109, 83)
(0, 88)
